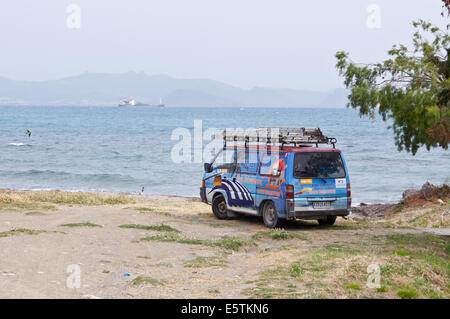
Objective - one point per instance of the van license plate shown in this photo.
(321, 205)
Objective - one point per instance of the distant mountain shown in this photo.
(338, 97)
(99, 89)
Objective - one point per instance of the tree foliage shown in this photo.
(411, 87)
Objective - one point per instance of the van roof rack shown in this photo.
(278, 135)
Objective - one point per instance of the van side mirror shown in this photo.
(207, 167)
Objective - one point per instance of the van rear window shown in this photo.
(318, 165)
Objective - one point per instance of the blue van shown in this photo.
(278, 176)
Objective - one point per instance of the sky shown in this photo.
(246, 43)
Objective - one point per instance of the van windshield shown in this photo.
(318, 165)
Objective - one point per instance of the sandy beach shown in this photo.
(79, 245)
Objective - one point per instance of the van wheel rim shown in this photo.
(222, 208)
(270, 214)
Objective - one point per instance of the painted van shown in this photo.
(301, 181)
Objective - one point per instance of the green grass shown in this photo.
(161, 227)
(140, 280)
(82, 224)
(402, 253)
(35, 214)
(24, 231)
(149, 210)
(46, 200)
(278, 234)
(420, 269)
(206, 262)
(399, 207)
(383, 289)
(343, 227)
(168, 265)
(339, 251)
(427, 265)
(214, 291)
(353, 286)
(231, 243)
(430, 248)
(144, 257)
(407, 293)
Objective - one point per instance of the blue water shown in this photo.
(123, 149)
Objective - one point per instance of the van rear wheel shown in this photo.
(219, 207)
(329, 221)
(270, 216)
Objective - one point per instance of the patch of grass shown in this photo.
(427, 267)
(35, 214)
(215, 225)
(339, 251)
(399, 207)
(106, 271)
(149, 210)
(343, 227)
(231, 243)
(46, 200)
(161, 227)
(434, 218)
(383, 289)
(278, 234)
(214, 291)
(402, 253)
(353, 286)
(144, 257)
(206, 262)
(140, 280)
(407, 294)
(321, 271)
(295, 270)
(24, 231)
(82, 224)
(160, 265)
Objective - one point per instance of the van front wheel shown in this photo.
(219, 207)
(270, 216)
(329, 221)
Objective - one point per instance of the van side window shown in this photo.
(247, 162)
(270, 165)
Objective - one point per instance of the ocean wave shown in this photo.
(18, 144)
(63, 175)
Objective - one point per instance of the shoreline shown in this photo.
(106, 193)
(412, 199)
(150, 195)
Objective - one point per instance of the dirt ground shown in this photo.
(41, 258)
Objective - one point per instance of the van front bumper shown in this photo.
(203, 195)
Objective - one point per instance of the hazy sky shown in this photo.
(276, 43)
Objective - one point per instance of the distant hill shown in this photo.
(99, 89)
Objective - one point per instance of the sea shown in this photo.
(130, 149)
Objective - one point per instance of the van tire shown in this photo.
(219, 207)
(329, 221)
(270, 216)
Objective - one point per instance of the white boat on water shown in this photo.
(133, 102)
(127, 102)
